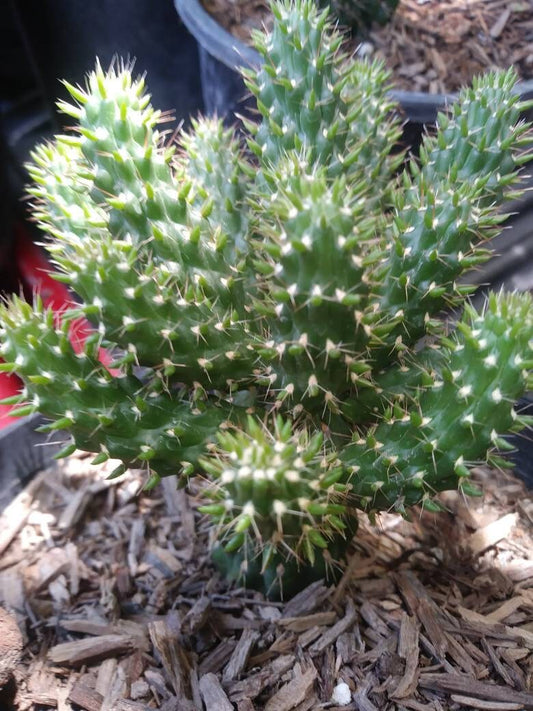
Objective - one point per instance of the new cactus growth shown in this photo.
(276, 314)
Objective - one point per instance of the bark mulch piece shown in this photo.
(119, 608)
(434, 46)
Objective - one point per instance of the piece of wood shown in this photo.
(187, 527)
(213, 695)
(13, 597)
(14, 516)
(129, 705)
(165, 636)
(305, 622)
(428, 614)
(89, 699)
(306, 601)
(255, 683)
(215, 660)
(92, 649)
(496, 629)
(498, 27)
(136, 544)
(506, 609)
(369, 613)
(197, 616)
(163, 560)
(105, 676)
(338, 628)
(293, 692)
(466, 686)
(408, 650)
(77, 505)
(240, 655)
(472, 703)
(360, 696)
(492, 533)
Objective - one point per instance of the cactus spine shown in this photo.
(276, 315)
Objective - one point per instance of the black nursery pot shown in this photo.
(65, 36)
(221, 54)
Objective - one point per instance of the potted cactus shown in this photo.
(276, 315)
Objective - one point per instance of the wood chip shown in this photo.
(472, 703)
(93, 649)
(428, 615)
(163, 560)
(498, 27)
(331, 634)
(307, 600)
(506, 609)
(496, 629)
(215, 660)
(76, 507)
(467, 686)
(492, 533)
(294, 692)
(89, 699)
(10, 646)
(240, 655)
(213, 694)
(254, 684)
(165, 636)
(305, 622)
(135, 545)
(408, 649)
(14, 516)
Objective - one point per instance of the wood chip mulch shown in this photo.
(433, 46)
(119, 608)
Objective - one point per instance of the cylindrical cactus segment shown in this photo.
(311, 100)
(445, 212)
(114, 416)
(156, 254)
(458, 416)
(275, 492)
(317, 241)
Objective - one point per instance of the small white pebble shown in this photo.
(365, 49)
(139, 690)
(341, 694)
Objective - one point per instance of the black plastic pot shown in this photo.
(221, 54)
(64, 37)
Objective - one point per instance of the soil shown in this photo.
(434, 46)
(121, 610)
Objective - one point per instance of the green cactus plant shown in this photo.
(275, 313)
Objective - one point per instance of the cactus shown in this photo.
(277, 312)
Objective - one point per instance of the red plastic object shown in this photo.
(34, 271)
